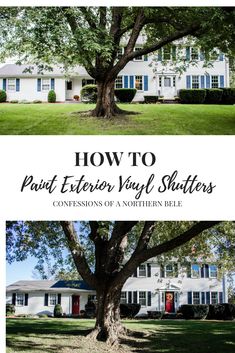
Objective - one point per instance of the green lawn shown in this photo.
(167, 336)
(56, 119)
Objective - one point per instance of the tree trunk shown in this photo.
(106, 106)
(108, 325)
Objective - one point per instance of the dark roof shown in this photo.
(51, 286)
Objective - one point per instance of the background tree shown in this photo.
(92, 36)
(106, 254)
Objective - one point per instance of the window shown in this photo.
(139, 83)
(118, 82)
(88, 82)
(119, 52)
(11, 84)
(140, 57)
(166, 53)
(195, 271)
(142, 298)
(195, 81)
(123, 298)
(19, 299)
(196, 297)
(142, 271)
(214, 298)
(69, 85)
(45, 84)
(169, 271)
(214, 81)
(213, 271)
(160, 81)
(52, 299)
(194, 54)
(167, 82)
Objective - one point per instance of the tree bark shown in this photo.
(108, 325)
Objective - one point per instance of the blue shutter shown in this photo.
(202, 267)
(220, 297)
(202, 298)
(208, 81)
(149, 299)
(4, 84)
(162, 272)
(207, 271)
(221, 57)
(125, 81)
(189, 297)
(188, 53)
(131, 81)
(52, 83)
(39, 85)
(207, 297)
(188, 81)
(202, 82)
(159, 55)
(17, 85)
(221, 81)
(146, 85)
(189, 270)
(146, 57)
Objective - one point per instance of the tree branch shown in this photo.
(78, 253)
(88, 17)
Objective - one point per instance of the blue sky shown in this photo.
(20, 270)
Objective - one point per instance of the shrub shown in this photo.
(3, 96)
(42, 316)
(89, 93)
(76, 97)
(37, 101)
(191, 311)
(221, 312)
(51, 98)
(24, 101)
(129, 310)
(150, 99)
(58, 311)
(14, 101)
(125, 95)
(213, 96)
(228, 96)
(155, 314)
(10, 309)
(192, 96)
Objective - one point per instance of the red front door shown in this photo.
(169, 302)
(75, 304)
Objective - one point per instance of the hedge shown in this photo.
(150, 99)
(89, 94)
(125, 95)
(228, 96)
(58, 311)
(10, 309)
(129, 310)
(191, 311)
(3, 96)
(192, 96)
(213, 96)
(51, 96)
(221, 312)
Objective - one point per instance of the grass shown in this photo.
(149, 336)
(56, 119)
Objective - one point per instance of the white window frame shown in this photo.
(142, 301)
(195, 81)
(144, 269)
(123, 298)
(52, 300)
(216, 299)
(12, 84)
(120, 78)
(141, 57)
(120, 52)
(47, 84)
(168, 271)
(20, 299)
(141, 81)
(215, 84)
(163, 53)
(211, 271)
(194, 52)
(198, 299)
(199, 274)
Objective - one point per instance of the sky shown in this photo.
(20, 270)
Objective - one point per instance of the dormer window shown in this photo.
(142, 271)
(195, 269)
(194, 54)
(140, 57)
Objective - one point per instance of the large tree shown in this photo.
(106, 254)
(92, 36)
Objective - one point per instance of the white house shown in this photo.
(154, 286)
(164, 80)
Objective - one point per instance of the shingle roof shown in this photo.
(9, 70)
(51, 286)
